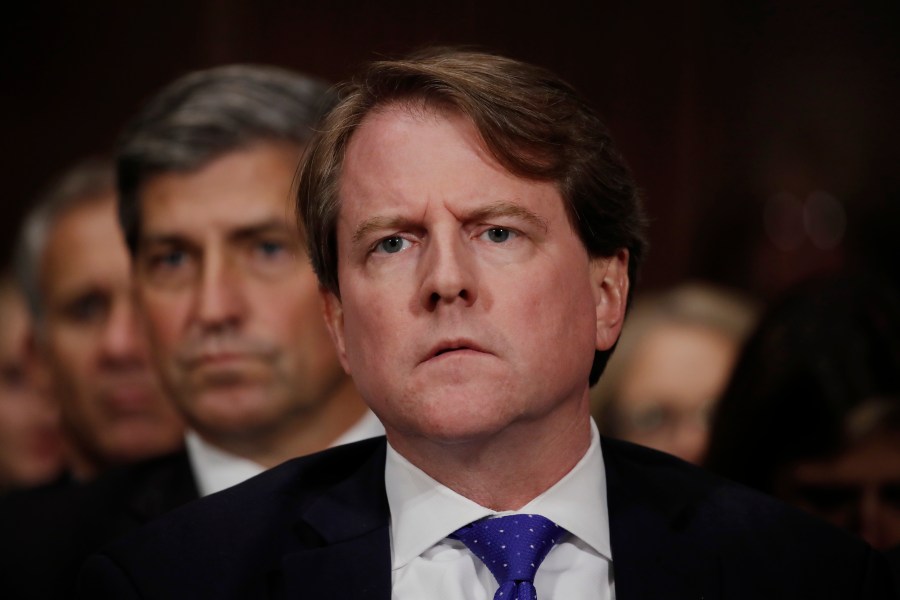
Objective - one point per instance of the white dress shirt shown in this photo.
(215, 469)
(426, 564)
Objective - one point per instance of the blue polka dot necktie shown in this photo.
(512, 547)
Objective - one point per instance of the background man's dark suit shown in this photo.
(48, 533)
(318, 527)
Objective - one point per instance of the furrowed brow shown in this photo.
(507, 209)
(379, 224)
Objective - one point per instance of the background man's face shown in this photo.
(467, 302)
(112, 404)
(232, 305)
(29, 435)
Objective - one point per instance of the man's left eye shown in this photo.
(498, 235)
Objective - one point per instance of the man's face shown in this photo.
(231, 301)
(113, 408)
(468, 306)
(30, 451)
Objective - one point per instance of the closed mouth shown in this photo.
(453, 346)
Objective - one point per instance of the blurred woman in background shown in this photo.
(671, 364)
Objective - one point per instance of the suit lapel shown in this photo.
(655, 553)
(167, 485)
(343, 541)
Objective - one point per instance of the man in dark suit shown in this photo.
(232, 311)
(474, 233)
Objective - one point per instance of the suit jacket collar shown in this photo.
(655, 553)
(341, 535)
(161, 485)
(343, 539)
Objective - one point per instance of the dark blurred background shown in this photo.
(764, 134)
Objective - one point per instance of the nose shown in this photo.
(448, 273)
(219, 302)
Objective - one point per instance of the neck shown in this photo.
(303, 433)
(505, 471)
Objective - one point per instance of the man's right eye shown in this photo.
(91, 307)
(168, 266)
(167, 260)
(392, 245)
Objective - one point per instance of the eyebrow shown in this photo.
(491, 211)
(239, 233)
(508, 209)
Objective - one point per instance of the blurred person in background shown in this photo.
(230, 304)
(670, 366)
(91, 354)
(812, 412)
(30, 450)
(231, 301)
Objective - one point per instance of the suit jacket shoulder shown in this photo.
(674, 526)
(48, 533)
(314, 527)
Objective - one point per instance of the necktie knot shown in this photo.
(512, 548)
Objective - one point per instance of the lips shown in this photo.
(131, 398)
(455, 346)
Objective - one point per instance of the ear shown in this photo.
(333, 311)
(609, 279)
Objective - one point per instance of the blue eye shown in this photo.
(498, 235)
(271, 248)
(392, 245)
(168, 260)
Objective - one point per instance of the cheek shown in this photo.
(74, 353)
(374, 329)
(165, 320)
(559, 315)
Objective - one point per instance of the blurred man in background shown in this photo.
(92, 354)
(230, 303)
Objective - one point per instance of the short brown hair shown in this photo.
(533, 123)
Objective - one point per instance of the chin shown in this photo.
(446, 419)
(232, 409)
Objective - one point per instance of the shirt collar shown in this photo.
(368, 426)
(424, 512)
(215, 469)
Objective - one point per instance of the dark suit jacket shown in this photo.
(46, 534)
(318, 528)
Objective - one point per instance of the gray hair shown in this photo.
(85, 183)
(206, 114)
